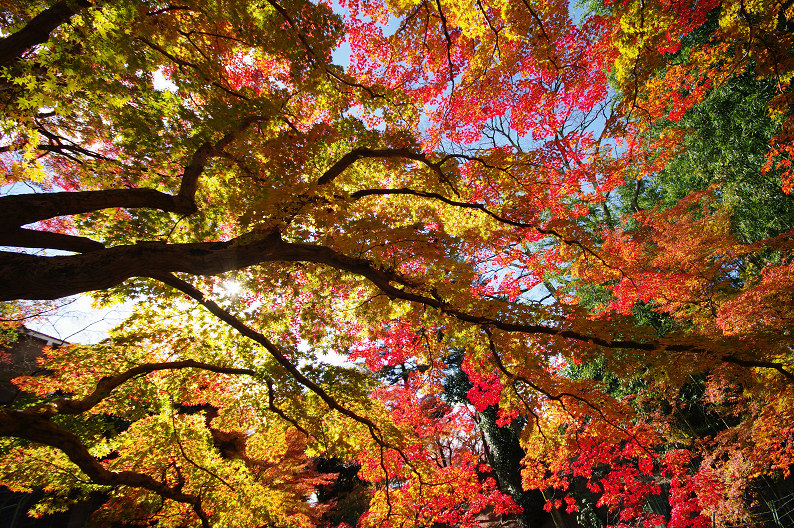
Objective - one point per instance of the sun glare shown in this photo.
(231, 288)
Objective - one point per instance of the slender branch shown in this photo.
(271, 404)
(188, 64)
(64, 150)
(194, 463)
(542, 27)
(435, 196)
(246, 331)
(386, 280)
(481, 207)
(363, 153)
(296, 374)
(449, 46)
(169, 9)
(108, 384)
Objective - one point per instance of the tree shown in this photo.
(411, 205)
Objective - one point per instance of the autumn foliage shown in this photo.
(514, 259)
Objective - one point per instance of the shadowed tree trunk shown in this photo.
(505, 455)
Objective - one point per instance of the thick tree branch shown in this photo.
(30, 238)
(20, 209)
(362, 153)
(37, 428)
(189, 183)
(38, 30)
(34, 277)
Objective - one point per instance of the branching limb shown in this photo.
(195, 67)
(29, 276)
(327, 68)
(38, 30)
(20, 209)
(246, 331)
(108, 384)
(37, 428)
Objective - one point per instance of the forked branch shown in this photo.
(37, 428)
(246, 331)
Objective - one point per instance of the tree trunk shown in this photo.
(505, 455)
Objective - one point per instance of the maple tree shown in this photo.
(475, 197)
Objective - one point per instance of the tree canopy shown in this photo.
(553, 244)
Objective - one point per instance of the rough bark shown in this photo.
(35, 277)
(505, 455)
